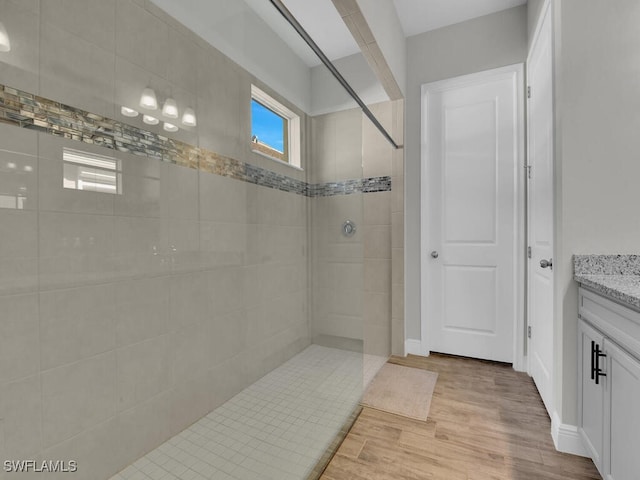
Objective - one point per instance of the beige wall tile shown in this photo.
(142, 309)
(223, 199)
(20, 66)
(227, 379)
(141, 186)
(143, 427)
(75, 249)
(76, 324)
(377, 276)
(397, 230)
(182, 61)
(19, 237)
(377, 309)
(377, 208)
(184, 245)
(189, 300)
(76, 72)
(225, 289)
(141, 38)
(91, 20)
(377, 241)
(19, 337)
(179, 191)
(141, 246)
(20, 414)
(228, 335)
(191, 354)
(144, 370)
(377, 340)
(77, 397)
(398, 267)
(88, 450)
(189, 401)
(18, 140)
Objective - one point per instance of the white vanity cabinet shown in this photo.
(591, 406)
(609, 385)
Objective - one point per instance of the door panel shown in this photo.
(540, 214)
(469, 190)
(471, 132)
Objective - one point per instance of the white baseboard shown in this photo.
(566, 437)
(413, 347)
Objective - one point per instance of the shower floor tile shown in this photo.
(277, 428)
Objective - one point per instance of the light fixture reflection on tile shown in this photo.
(189, 118)
(170, 109)
(11, 165)
(149, 120)
(148, 99)
(128, 112)
(170, 127)
(28, 168)
(5, 43)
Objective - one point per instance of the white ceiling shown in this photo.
(323, 23)
(418, 16)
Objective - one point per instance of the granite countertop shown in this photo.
(614, 276)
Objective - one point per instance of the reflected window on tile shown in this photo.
(16, 178)
(91, 172)
(9, 201)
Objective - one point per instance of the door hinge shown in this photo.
(528, 252)
(529, 92)
(528, 167)
(529, 331)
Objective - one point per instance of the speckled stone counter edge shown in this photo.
(616, 277)
(606, 265)
(624, 289)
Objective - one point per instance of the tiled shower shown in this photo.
(127, 317)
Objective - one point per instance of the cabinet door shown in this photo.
(622, 425)
(590, 394)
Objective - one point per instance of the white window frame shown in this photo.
(293, 124)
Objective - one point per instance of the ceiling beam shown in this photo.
(357, 24)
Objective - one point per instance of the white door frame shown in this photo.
(519, 338)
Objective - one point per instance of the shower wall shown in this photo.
(124, 318)
(352, 301)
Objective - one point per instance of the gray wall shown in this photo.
(597, 197)
(487, 42)
(534, 9)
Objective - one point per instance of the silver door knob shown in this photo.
(434, 254)
(546, 263)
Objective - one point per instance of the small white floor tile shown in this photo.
(277, 428)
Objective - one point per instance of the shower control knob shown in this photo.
(348, 228)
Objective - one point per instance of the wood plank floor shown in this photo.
(486, 422)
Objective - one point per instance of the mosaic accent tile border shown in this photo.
(347, 187)
(26, 110)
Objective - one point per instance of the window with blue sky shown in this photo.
(267, 127)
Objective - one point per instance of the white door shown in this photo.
(540, 215)
(471, 157)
